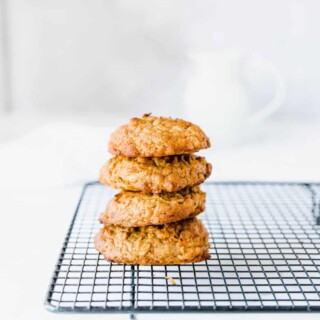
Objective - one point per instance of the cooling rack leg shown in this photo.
(316, 212)
(315, 203)
(132, 317)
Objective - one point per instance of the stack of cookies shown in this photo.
(152, 220)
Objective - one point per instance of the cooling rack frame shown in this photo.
(257, 254)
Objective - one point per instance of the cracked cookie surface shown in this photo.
(180, 242)
(152, 136)
(136, 209)
(155, 175)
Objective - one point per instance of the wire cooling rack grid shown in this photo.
(265, 256)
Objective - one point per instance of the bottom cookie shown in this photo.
(180, 242)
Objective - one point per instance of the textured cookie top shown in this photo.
(151, 136)
(180, 242)
(136, 209)
(155, 175)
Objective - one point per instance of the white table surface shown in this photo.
(34, 219)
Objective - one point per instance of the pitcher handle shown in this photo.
(280, 91)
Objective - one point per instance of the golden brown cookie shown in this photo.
(151, 136)
(137, 209)
(155, 175)
(180, 242)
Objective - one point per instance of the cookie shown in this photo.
(180, 242)
(155, 175)
(151, 136)
(137, 209)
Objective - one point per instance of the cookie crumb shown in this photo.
(171, 280)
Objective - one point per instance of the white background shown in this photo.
(131, 56)
(69, 68)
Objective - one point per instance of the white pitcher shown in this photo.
(217, 98)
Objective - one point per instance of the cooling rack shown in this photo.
(265, 256)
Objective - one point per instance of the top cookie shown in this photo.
(151, 136)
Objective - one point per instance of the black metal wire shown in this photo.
(265, 256)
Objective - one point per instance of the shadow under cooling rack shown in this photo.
(265, 256)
